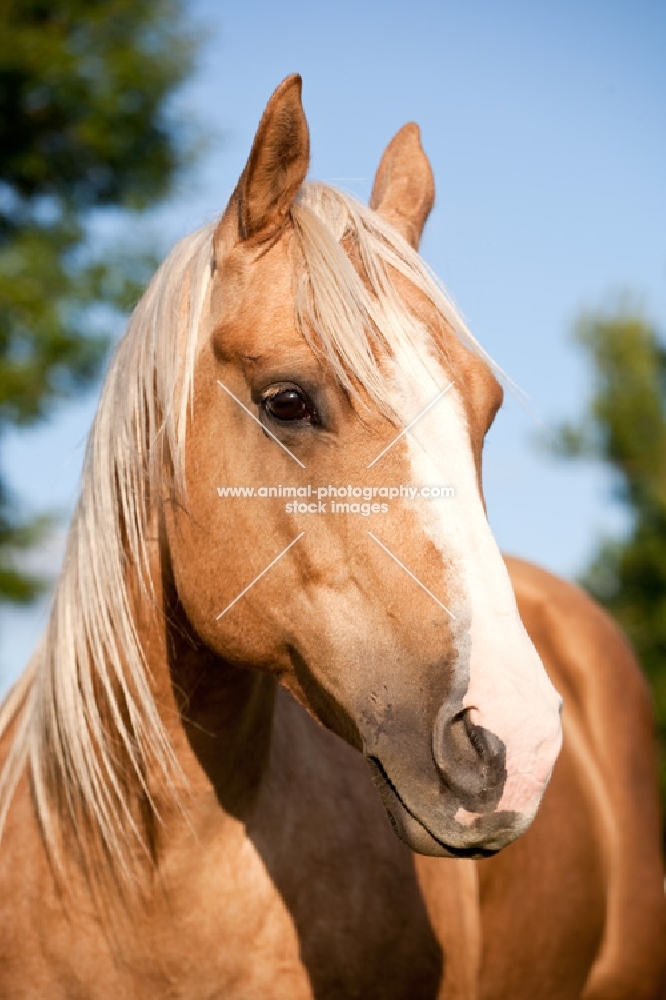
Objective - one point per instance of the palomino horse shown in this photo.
(177, 820)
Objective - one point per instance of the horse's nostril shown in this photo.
(476, 737)
(470, 759)
(486, 745)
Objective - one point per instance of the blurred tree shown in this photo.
(625, 426)
(84, 127)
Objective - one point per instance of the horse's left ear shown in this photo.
(276, 167)
(404, 188)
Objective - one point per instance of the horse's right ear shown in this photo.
(276, 167)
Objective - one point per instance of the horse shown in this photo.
(277, 746)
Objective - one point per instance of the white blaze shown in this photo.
(509, 692)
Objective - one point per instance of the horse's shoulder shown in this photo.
(580, 643)
(609, 735)
(541, 592)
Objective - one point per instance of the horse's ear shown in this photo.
(404, 188)
(276, 167)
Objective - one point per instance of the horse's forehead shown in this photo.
(448, 359)
(252, 301)
(253, 315)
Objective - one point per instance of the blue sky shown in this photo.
(546, 128)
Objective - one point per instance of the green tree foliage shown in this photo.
(84, 130)
(625, 426)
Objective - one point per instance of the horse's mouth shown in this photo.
(410, 827)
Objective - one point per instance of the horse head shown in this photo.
(390, 616)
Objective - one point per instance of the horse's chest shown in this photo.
(316, 927)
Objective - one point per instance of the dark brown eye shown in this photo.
(289, 405)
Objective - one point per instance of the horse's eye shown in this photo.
(289, 405)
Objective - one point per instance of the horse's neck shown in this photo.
(225, 716)
(217, 716)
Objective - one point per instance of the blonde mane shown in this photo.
(355, 321)
(83, 718)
